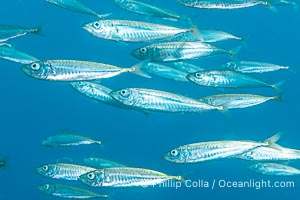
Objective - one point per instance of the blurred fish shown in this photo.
(160, 101)
(96, 91)
(227, 79)
(186, 67)
(8, 32)
(133, 31)
(76, 6)
(252, 67)
(68, 139)
(175, 51)
(164, 71)
(274, 153)
(125, 177)
(274, 169)
(207, 36)
(3, 162)
(8, 52)
(232, 101)
(101, 163)
(69, 192)
(73, 70)
(63, 171)
(147, 9)
(206, 151)
(232, 4)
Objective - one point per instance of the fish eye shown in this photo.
(35, 66)
(46, 186)
(45, 167)
(174, 152)
(96, 25)
(91, 175)
(123, 92)
(198, 75)
(143, 50)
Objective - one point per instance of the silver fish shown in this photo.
(253, 67)
(68, 139)
(186, 67)
(3, 162)
(72, 70)
(232, 4)
(272, 153)
(160, 101)
(8, 52)
(205, 36)
(69, 192)
(125, 177)
(175, 51)
(101, 163)
(206, 151)
(147, 9)
(274, 169)
(232, 101)
(76, 6)
(132, 31)
(96, 91)
(8, 32)
(63, 171)
(227, 79)
(164, 71)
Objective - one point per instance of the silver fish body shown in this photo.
(72, 70)
(206, 151)
(231, 4)
(226, 79)
(186, 67)
(131, 31)
(271, 154)
(253, 67)
(101, 163)
(147, 9)
(63, 171)
(274, 169)
(233, 101)
(75, 6)
(164, 71)
(8, 52)
(125, 177)
(96, 91)
(8, 32)
(159, 101)
(69, 192)
(68, 139)
(175, 51)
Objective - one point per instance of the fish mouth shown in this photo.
(26, 69)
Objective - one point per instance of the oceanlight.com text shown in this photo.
(222, 183)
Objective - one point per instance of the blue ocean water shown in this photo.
(33, 109)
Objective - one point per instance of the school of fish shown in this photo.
(165, 52)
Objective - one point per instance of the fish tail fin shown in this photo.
(233, 52)
(179, 178)
(278, 85)
(272, 3)
(137, 69)
(279, 97)
(194, 29)
(103, 16)
(39, 30)
(4, 162)
(272, 140)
